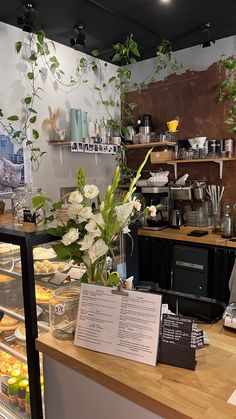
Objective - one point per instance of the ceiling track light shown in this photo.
(79, 40)
(27, 21)
(206, 35)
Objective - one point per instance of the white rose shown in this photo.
(152, 210)
(73, 211)
(91, 191)
(98, 249)
(85, 213)
(75, 197)
(87, 242)
(98, 218)
(93, 229)
(123, 212)
(71, 236)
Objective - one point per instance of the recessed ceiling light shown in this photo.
(165, 1)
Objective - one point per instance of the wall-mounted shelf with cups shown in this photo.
(60, 143)
(219, 161)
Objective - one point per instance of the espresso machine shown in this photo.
(158, 196)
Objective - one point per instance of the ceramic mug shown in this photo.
(116, 140)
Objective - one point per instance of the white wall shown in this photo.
(194, 58)
(59, 165)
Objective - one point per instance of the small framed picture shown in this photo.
(74, 147)
(81, 147)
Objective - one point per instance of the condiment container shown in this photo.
(22, 393)
(63, 309)
(13, 387)
(27, 401)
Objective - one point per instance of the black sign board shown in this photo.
(178, 341)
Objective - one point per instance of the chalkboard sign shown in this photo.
(178, 341)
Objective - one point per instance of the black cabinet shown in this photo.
(188, 268)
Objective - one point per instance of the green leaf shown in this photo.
(224, 84)
(33, 57)
(40, 49)
(95, 53)
(134, 48)
(98, 89)
(104, 85)
(30, 76)
(28, 142)
(35, 134)
(13, 118)
(82, 62)
(33, 119)
(71, 224)
(111, 79)
(62, 251)
(18, 46)
(40, 38)
(95, 68)
(28, 100)
(116, 58)
(1, 113)
(32, 110)
(229, 121)
(16, 134)
(132, 60)
(57, 205)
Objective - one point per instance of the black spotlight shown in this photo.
(27, 21)
(206, 35)
(79, 40)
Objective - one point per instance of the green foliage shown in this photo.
(227, 91)
(80, 179)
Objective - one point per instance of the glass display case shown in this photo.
(28, 269)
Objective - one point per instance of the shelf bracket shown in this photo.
(220, 162)
(175, 164)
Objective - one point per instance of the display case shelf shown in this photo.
(21, 317)
(11, 351)
(9, 411)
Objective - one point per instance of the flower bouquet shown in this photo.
(87, 236)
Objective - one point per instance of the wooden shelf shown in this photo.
(149, 145)
(60, 143)
(219, 160)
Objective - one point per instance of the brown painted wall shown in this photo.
(193, 97)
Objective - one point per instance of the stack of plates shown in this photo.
(191, 218)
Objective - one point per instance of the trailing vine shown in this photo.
(228, 91)
(39, 54)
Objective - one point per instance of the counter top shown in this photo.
(5, 218)
(181, 235)
(169, 391)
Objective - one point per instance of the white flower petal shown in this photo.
(75, 197)
(71, 236)
(91, 191)
(97, 250)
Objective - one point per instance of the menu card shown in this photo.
(178, 341)
(123, 323)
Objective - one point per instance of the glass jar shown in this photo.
(22, 205)
(63, 309)
(229, 316)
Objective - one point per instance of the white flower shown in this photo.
(85, 213)
(98, 218)
(136, 204)
(123, 212)
(98, 249)
(75, 197)
(93, 229)
(91, 191)
(126, 230)
(73, 211)
(87, 242)
(71, 236)
(152, 210)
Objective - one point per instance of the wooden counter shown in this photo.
(181, 235)
(168, 391)
(5, 218)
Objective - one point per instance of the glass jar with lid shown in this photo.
(63, 309)
(22, 205)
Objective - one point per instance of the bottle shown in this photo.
(23, 384)
(17, 375)
(27, 401)
(13, 387)
(227, 223)
(103, 130)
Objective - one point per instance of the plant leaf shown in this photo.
(35, 134)
(13, 118)
(18, 46)
(28, 100)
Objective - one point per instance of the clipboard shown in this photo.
(119, 322)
